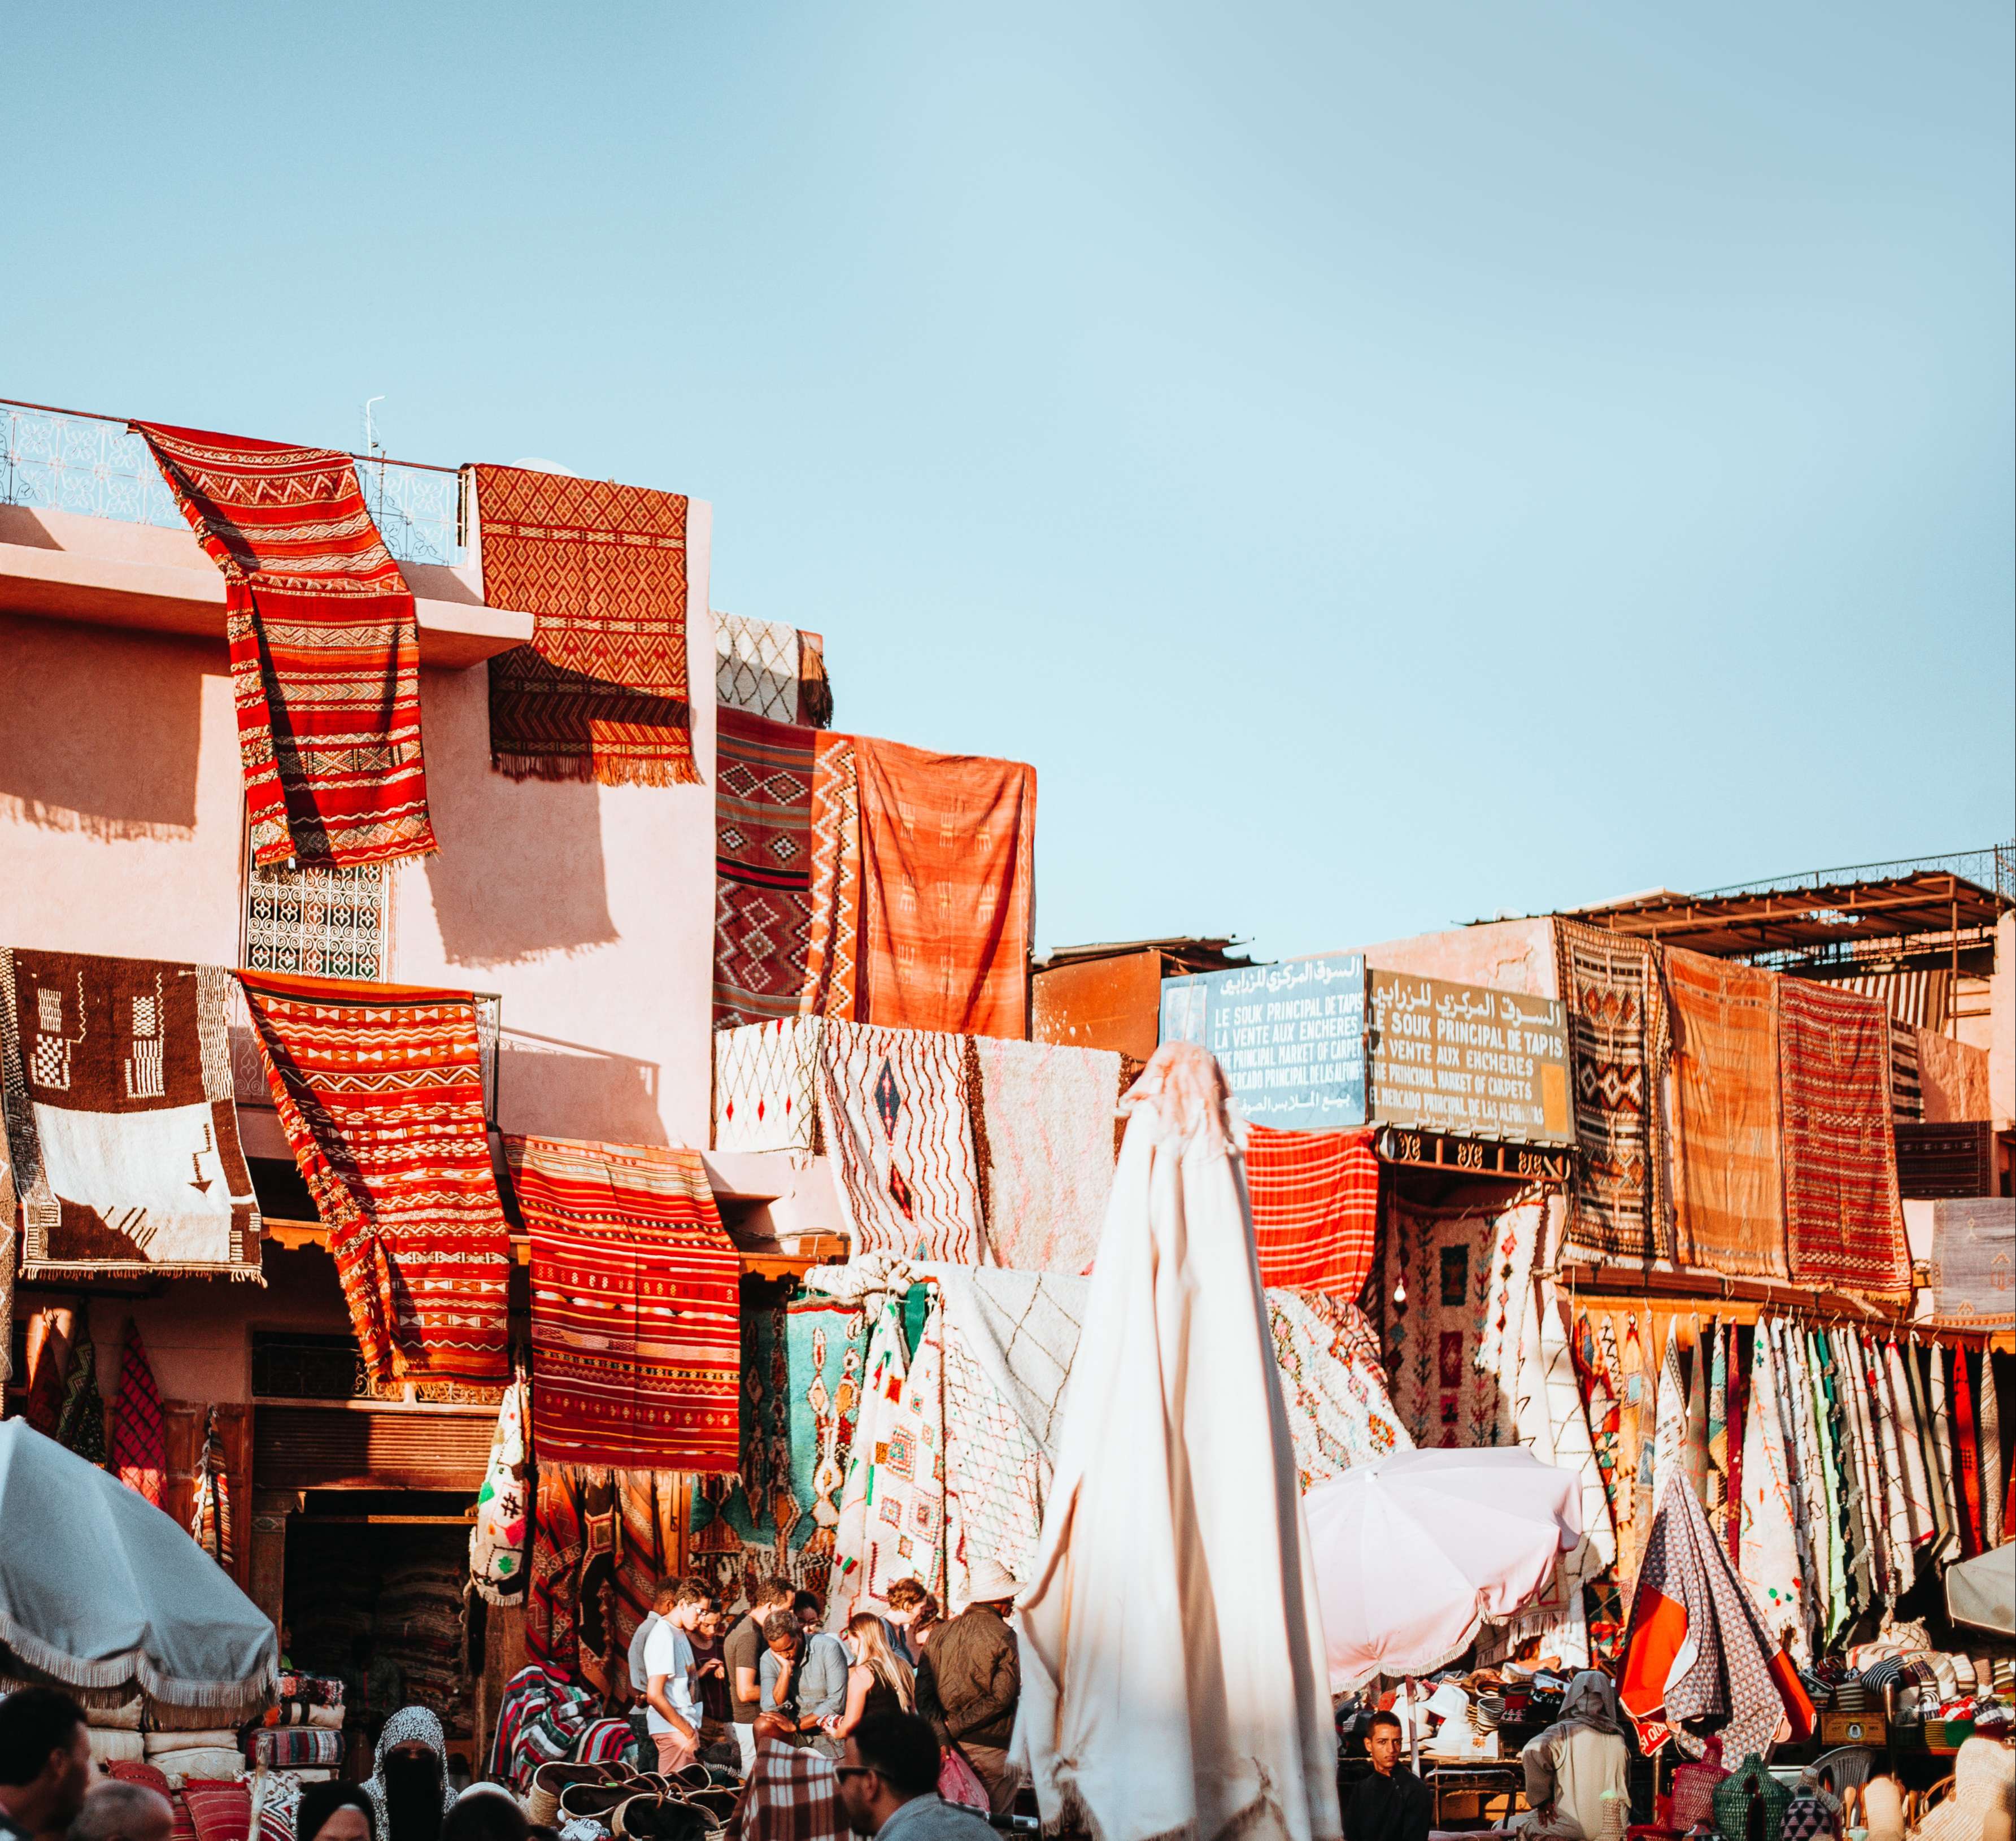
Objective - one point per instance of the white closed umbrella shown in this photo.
(1416, 1552)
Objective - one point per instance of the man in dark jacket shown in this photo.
(1392, 1804)
(969, 1678)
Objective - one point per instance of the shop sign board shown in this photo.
(1290, 1037)
(1468, 1061)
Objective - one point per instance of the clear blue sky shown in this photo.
(1384, 465)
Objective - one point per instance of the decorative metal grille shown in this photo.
(320, 922)
(299, 1366)
(54, 461)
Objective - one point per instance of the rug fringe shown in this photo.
(58, 1271)
(681, 770)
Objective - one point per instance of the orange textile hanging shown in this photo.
(947, 859)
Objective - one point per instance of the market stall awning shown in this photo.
(1804, 919)
(102, 1592)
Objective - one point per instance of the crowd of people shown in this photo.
(776, 1681)
(870, 1763)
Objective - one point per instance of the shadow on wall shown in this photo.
(564, 1089)
(519, 870)
(100, 732)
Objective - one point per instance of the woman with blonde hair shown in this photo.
(880, 1682)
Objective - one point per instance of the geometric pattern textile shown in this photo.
(1843, 1215)
(1339, 1413)
(1316, 1208)
(1618, 1045)
(601, 692)
(325, 648)
(321, 920)
(139, 1435)
(1974, 1242)
(997, 1479)
(1729, 1196)
(802, 1386)
(636, 1311)
(1770, 1560)
(497, 1540)
(765, 1077)
(552, 1631)
(895, 1110)
(756, 667)
(379, 1090)
(892, 1504)
(832, 977)
(762, 864)
(947, 851)
(1907, 1093)
(1452, 1342)
(1042, 1130)
(120, 1115)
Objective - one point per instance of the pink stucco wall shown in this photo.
(1503, 955)
(590, 909)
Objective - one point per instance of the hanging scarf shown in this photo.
(1898, 1558)
(1791, 1420)
(1770, 1561)
(497, 1541)
(140, 1436)
(1866, 1498)
(1669, 1419)
(1816, 1523)
(1924, 1525)
(1694, 1445)
(1828, 1489)
(1599, 1401)
(1716, 1498)
(210, 1514)
(1991, 1452)
(80, 1427)
(1732, 1529)
(1967, 1455)
(1640, 1392)
(1945, 1538)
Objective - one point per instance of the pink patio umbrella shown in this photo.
(1414, 1553)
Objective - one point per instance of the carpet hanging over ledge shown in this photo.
(601, 692)
(379, 1091)
(325, 646)
(121, 1118)
(636, 1307)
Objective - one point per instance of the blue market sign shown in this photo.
(1290, 1037)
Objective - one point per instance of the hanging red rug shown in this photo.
(379, 1091)
(636, 1307)
(600, 693)
(325, 647)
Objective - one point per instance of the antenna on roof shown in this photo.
(370, 430)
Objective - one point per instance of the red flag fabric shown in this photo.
(325, 646)
(1316, 1208)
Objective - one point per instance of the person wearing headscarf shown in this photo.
(1576, 1767)
(336, 1810)
(409, 1789)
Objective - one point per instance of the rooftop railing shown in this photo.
(1993, 867)
(93, 466)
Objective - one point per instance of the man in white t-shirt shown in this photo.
(672, 1696)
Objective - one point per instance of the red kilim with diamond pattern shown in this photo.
(325, 648)
(762, 866)
(636, 1307)
(601, 692)
(379, 1090)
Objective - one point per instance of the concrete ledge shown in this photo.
(61, 566)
